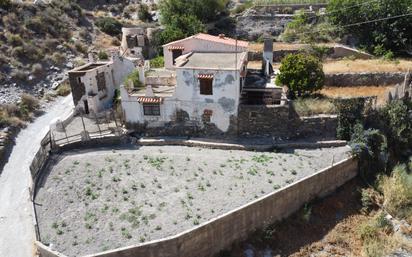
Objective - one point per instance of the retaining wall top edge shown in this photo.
(344, 161)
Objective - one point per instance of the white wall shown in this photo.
(115, 73)
(224, 101)
(198, 45)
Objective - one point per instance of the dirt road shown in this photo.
(16, 220)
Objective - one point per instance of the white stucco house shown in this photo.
(209, 73)
(93, 85)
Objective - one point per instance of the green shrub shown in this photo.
(109, 25)
(303, 74)
(242, 7)
(134, 78)
(30, 102)
(64, 89)
(82, 48)
(103, 55)
(350, 113)
(13, 39)
(19, 75)
(157, 62)
(58, 58)
(397, 191)
(17, 52)
(37, 69)
(144, 14)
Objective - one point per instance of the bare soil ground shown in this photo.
(100, 200)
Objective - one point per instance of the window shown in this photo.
(151, 109)
(206, 86)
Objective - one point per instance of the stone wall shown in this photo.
(221, 232)
(261, 120)
(363, 79)
(283, 122)
(278, 55)
(320, 126)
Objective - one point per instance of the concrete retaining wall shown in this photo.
(364, 79)
(220, 233)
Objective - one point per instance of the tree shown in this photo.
(301, 73)
(183, 18)
(109, 25)
(144, 14)
(391, 34)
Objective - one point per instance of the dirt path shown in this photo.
(16, 221)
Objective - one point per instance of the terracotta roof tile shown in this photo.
(217, 39)
(150, 100)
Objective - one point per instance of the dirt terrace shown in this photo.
(105, 199)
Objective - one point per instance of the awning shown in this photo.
(149, 100)
(171, 48)
(205, 76)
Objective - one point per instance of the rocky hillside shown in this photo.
(40, 42)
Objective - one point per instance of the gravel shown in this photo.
(99, 200)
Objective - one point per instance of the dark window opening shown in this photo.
(206, 86)
(176, 53)
(151, 109)
(253, 115)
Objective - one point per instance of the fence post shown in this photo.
(97, 123)
(114, 117)
(84, 127)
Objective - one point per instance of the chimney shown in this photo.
(222, 36)
(268, 56)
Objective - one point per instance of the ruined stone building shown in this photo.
(93, 85)
(207, 74)
(135, 43)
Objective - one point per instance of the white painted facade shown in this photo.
(97, 100)
(221, 106)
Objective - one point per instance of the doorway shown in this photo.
(176, 53)
(86, 106)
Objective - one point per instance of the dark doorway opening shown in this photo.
(176, 53)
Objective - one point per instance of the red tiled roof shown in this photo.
(216, 39)
(176, 48)
(223, 40)
(205, 76)
(149, 100)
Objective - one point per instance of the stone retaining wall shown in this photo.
(364, 79)
(283, 122)
(335, 52)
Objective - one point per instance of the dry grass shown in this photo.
(345, 92)
(314, 106)
(374, 65)
(103, 41)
